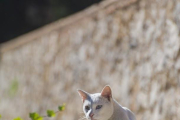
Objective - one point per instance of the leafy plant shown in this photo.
(36, 116)
(62, 107)
(51, 113)
(18, 118)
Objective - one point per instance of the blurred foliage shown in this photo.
(13, 87)
(51, 113)
(62, 107)
(18, 118)
(19, 17)
(36, 116)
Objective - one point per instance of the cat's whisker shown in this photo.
(83, 118)
(82, 112)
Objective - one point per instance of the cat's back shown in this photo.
(129, 113)
(122, 113)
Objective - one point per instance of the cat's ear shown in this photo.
(84, 95)
(106, 92)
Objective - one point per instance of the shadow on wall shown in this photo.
(22, 16)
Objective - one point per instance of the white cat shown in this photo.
(101, 106)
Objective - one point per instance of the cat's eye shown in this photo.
(87, 108)
(98, 107)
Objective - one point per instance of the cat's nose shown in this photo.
(91, 115)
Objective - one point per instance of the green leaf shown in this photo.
(62, 107)
(0, 116)
(39, 118)
(18, 118)
(35, 116)
(51, 113)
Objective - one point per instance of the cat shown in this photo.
(101, 106)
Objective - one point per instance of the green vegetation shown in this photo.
(33, 116)
(36, 116)
(18, 118)
(13, 87)
(51, 113)
(62, 107)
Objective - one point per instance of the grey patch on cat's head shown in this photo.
(97, 106)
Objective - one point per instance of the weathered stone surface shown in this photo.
(135, 49)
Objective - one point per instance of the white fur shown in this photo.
(111, 110)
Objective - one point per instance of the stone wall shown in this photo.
(134, 46)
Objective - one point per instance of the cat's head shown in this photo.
(98, 106)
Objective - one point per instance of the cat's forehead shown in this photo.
(95, 99)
